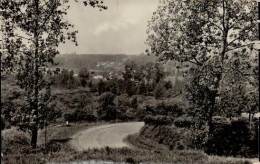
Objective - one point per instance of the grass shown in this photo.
(14, 141)
(16, 144)
(181, 156)
(62, 131)
(145, 150)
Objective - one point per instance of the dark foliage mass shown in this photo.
(162, 114)
(148, 80)
(232, 138)
(236, 137)
(184, 122)
(158, 120)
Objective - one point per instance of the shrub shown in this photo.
(255, 137)
(184, 122)
(14, 141)
(170, 109)
(68, 117)
(159, 91)
(134, 103)
(84, 116)
(158, 120)
(164, 134)
(54, 115)
(107, 110)
(130, 160)
(199, 135)
(218, 142)
(242, 137)
(108, 114)
(79, 115)
(140, 114)
(125, 114)
(234, 137)
(180, 146)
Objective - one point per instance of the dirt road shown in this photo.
(111, 135)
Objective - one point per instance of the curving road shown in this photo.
(111, 135)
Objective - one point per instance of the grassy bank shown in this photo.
(58, 150)
(181, 156)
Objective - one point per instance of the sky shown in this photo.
(121, 29)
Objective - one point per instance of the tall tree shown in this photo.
(84, 76)
(128, 74)
(31, 32)
(211, 35)
(107, 109)
(101, 87)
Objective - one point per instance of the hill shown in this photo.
(100, 61)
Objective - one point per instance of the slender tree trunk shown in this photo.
(34, 137)
(211, 112)
(219, 75)
(36, 79)
(45, 135)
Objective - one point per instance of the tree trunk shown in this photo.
(211, 112)
(36, 79)
(219, 75)
(34, 137)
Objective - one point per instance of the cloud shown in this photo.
(120, 29)
(101, 28)
(109, 26)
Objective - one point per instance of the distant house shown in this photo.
(75, 75)
(98, 77)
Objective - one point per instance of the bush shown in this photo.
(235, 138)
(110, 113)
(79, 115)
(125, 114)
(14, 141)
(242, 138)
(54, 115)
(159, 91)
(12, 99)
(184, 122)
(130, 160)
(170, 109)
(107, 110)
(255, 138)
(140, 114)
(158, 120)
(164, 134)
(219, 142)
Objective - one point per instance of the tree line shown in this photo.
(148, 79)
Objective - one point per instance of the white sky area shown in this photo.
(121, 29)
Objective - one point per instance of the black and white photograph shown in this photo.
(130, 81)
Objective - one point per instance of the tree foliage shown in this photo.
(142, 79)
(31, 32)
(107, 110)
(84, 76)
(65, 79)
(216, 37)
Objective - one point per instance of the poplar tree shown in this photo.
(31, 31)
